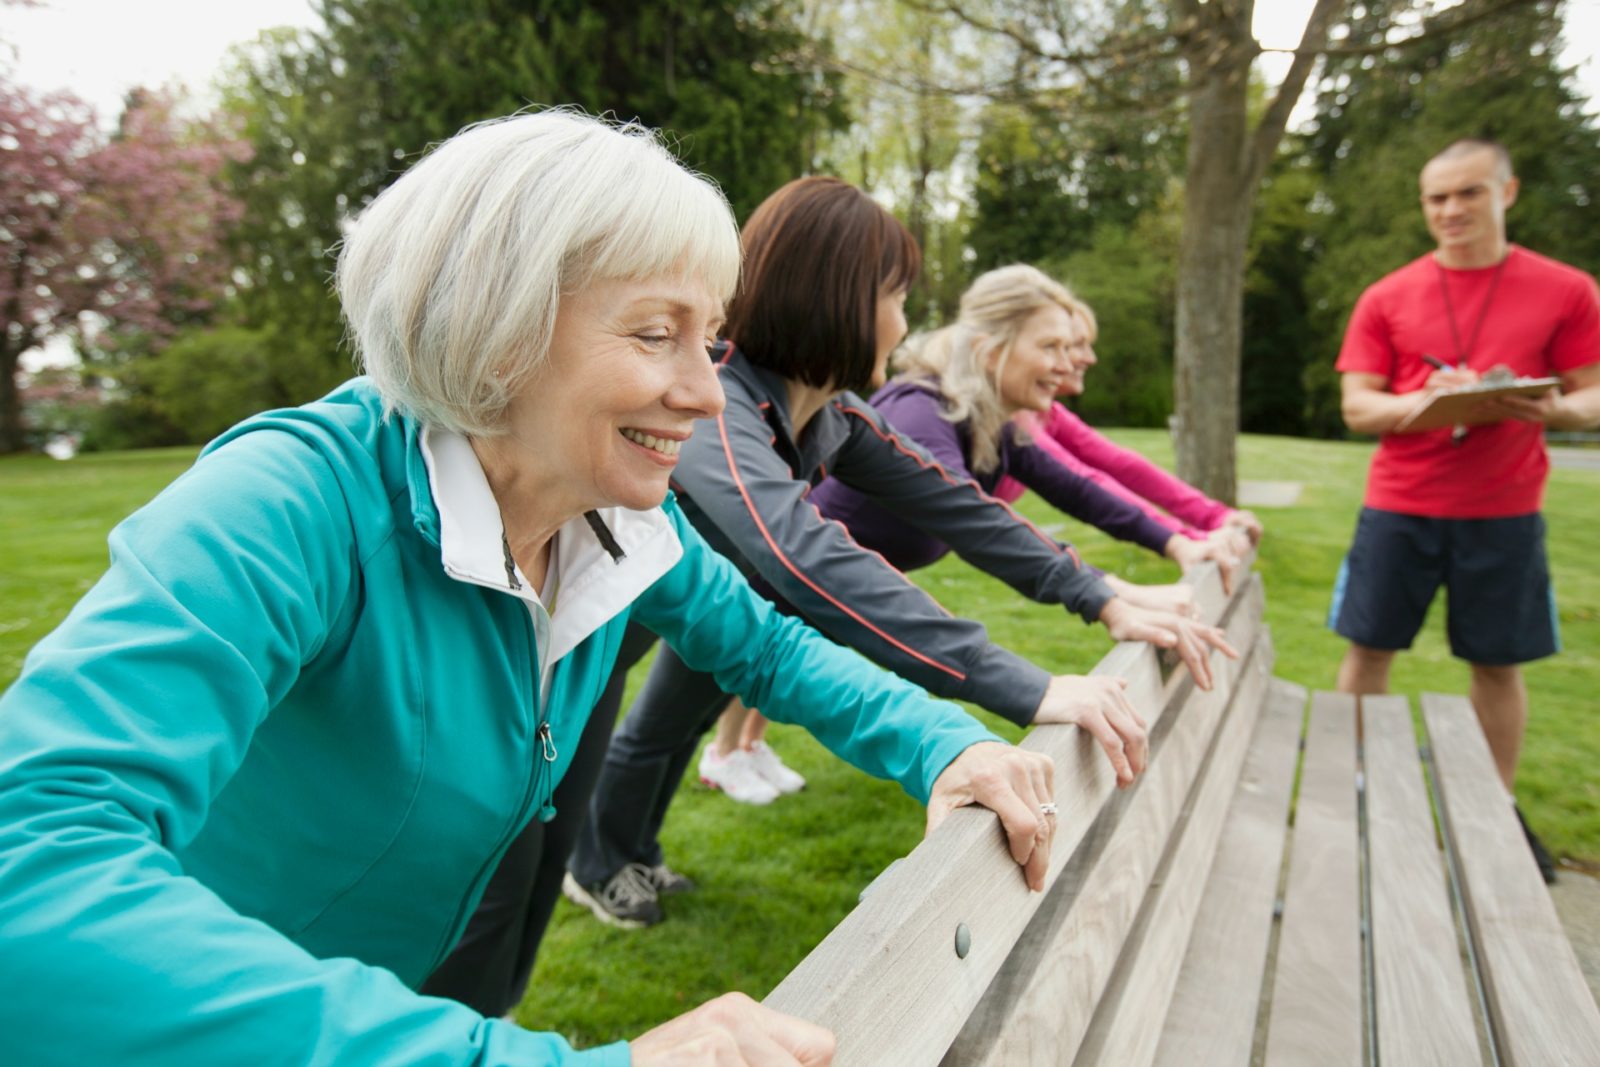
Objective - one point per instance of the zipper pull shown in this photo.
(547, 744)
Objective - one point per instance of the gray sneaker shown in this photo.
(668, 881)
(627, 900)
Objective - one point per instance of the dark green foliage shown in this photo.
(1277, 332)
(208, 380)
(335, 116)
(1023, 209)
(1052, 169)
(128, 421)
(1127, 276)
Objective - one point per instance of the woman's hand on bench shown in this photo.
(1176, 598)
(1098, 705)
(734, 1031)
(1245, 522)
(1164, 629)
(1012, 783)
(1187, 553)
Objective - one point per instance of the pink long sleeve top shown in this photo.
(1122, 471)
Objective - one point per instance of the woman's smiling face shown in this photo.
(626, 379)
(1048, 358)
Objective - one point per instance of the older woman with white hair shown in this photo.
(254, 785)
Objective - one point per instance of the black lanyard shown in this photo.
(1464, 354)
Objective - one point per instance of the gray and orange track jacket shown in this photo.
(743, 480)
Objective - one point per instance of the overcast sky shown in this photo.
(101, 48)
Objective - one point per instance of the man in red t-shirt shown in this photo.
(1453, 508)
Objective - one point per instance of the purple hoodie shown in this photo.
(915, 409)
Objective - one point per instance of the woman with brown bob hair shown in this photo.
(818, 310)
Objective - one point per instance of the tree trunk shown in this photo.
(10, 399)
(1211, 259)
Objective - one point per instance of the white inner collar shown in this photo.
(591, 587)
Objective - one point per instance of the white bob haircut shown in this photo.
(969, 356)
(450, 280)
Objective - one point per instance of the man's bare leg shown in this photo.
(1364, 670)
(1500, 698)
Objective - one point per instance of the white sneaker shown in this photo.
(774, 770)
(736, 776)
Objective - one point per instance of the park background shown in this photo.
(1220, 207)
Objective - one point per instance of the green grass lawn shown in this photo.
(774, 880)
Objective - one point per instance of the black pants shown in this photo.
(643, 766)
(489, 967)
(646, 761)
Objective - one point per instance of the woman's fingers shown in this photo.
(1227, 564)
(1014, 796)
(734, 1031)
(1194, 655)
(1098, 723)
(1014, 785)
(1113, 722)
(1128, 723)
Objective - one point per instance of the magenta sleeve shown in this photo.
(1126, 473)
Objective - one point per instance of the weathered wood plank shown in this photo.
(887, 981)
(1317, 991)
(1212, 1018)
(1424, 1010)
(1141, 987)
(1540, 1010)
(1040, 1004)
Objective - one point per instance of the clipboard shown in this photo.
(1454, 407)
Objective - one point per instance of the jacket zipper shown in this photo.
(547, 751)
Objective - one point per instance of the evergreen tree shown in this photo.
(1059, 163)
(337, 114)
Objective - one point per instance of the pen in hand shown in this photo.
(1459, 432)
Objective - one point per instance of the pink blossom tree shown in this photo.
(104, 239)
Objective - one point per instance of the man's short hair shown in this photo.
(818, 254)
(1466, 146)
(450, 280)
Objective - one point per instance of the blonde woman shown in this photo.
(981, 396)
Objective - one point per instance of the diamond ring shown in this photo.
(1048, 808)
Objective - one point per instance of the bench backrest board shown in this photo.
(1207, 915)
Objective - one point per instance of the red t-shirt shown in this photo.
(1543, 318)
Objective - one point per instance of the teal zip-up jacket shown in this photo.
(252, 788)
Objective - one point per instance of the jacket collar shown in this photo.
(769, 392)
(605, 560)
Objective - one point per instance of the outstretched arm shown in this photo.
(886, 726)
(1065, 432)
(926, 483)
(931, 488)
(736, 480)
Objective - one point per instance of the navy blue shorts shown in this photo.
(1502, 608)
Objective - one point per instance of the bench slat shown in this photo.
(887, 980)
(1212, 1018)
(1041, 1002)
(1123, 1031)
(1316, 995)
(1540, 1007)
(1424, 1010)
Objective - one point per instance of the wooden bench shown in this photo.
(1208, 915)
